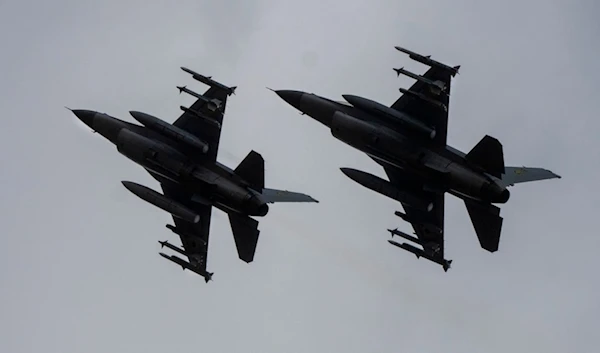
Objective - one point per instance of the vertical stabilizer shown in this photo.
(252, 170)
(488, 155)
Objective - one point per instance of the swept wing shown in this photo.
(418, 102)
(428, 226)
(194, 236)
(204, 122)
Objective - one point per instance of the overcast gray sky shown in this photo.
(79, 266)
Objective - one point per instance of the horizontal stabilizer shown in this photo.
(487, 223)
(274, 195)
(252, 170)
(488, 155)
(514, 175)
(245, 234)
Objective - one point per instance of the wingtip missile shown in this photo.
(208, 80)
(173, 259)
(427, 60)
(194, 73)
(187, 70)
(420, 253)
(402, 50)
(401, 246)
(186, 265)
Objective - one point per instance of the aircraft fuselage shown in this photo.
(402, 148)
(165, 159)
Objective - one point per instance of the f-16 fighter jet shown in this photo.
(182, 157)
(408, 139)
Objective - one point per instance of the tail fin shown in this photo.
(488, 155)
(245, 234)
(252, 170)
(487, 223)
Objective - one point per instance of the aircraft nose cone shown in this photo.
(86, 116)
(293, 98)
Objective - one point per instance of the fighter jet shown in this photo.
(182, 157)
(409, 140)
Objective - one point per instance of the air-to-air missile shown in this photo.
(437, 87)
(186, 265)
(161, 201)
(212, 104)
(420, 253)
(207, 80)
(370, 106)
(169, 130)
(405, 236)
(428, 61)
(386, 188)
(172, 247)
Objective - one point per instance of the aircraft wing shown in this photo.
(421, 109)
(194, 236)
(430, 226)
(204, 129)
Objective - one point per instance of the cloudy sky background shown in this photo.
(79, 269)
